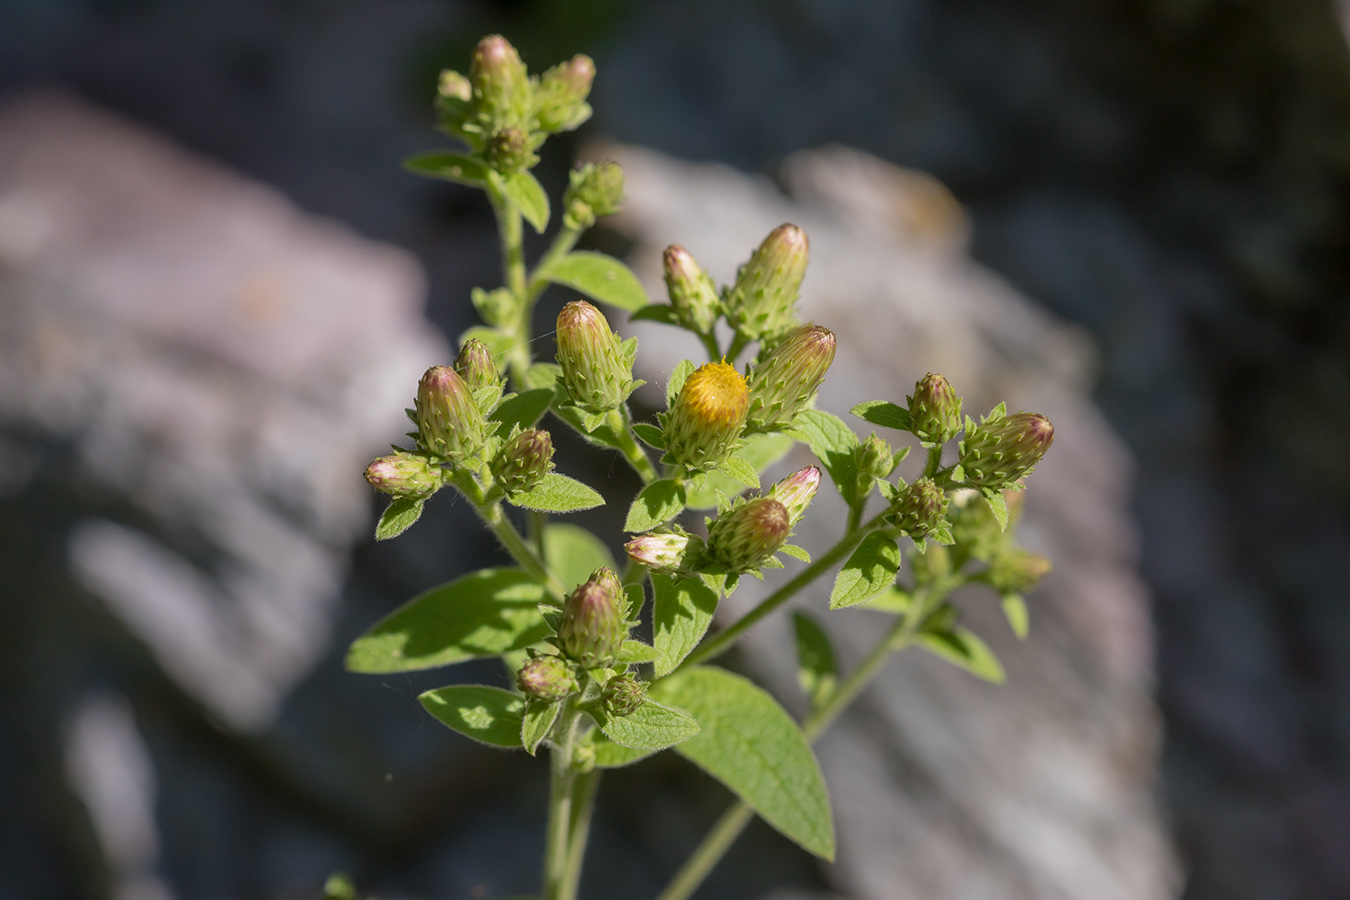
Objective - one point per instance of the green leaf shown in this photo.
(657, 312)
(816, 669)
(869, 571)
(759, 450)
(650, 434)
(484, 613)
(523, 409)
(682, 610)
(997, 505)
(833, 443)
(883, 413)
(964, 648)
(659, 502)
(542, 375)
(558, 493)
(750, 744)
(585, 424)
(487, 714)
(529, 197)
(398, 517)
(636, 652)
(1015, 610)
(497, 342)
(609, 755)
(572, 553)
(448, 166)
(795, 552)
(599, 277)
(740, 471)
(538, 722)
(683, 369)
(652, 726)
(894, 600)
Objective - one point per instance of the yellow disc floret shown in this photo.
(708, 416)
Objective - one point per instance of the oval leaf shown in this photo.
(487, 714)
(883, 413)
(529, 197)
(538, 722)
(682, 610)
(609, 755)
(398, 517)
(599, 277)
(749, 743)
(449, 166)
(1015, 609)
(964, 648)
(833, 443)
(572, 553)
(652, 726)
(485, 613)
(558, 493)
(658, 503)
(869, 571)
(816, 669)
(523, 409)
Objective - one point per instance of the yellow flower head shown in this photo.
(708, 416)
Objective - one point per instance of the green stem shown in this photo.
(517, 546)
(583, 806)
(710, 344)
(629, 446)
(728, 636)
(738, 343)
(562, 784)
(855, 513)
(512, 235)
(709, 852)
(562, 244)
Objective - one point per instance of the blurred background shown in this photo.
(218, 288)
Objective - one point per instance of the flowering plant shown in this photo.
(583, 688)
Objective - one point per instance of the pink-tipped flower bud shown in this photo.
(691, 291)
(510, 150)
(763, 303)
(449, 423)
(796, 492)
(454, 101)
(623, 694)
(746, 535)
(596, 370)
(593, 190)
(1002, 449)
(523, 461)
(659, 552)
(592, 629)
(786, 380)
(404, 475)
(501, 86)
(546, 678)
(476, 366)
(560, 99)
(1017, 571)
(934, 410)
(708, 416)
(919, 510)
(454, 86)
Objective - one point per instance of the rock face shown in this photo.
(945, 786)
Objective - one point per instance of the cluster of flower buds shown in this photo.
(623, 694)
(1016, 571)
(934, 410)
(1002, 448)
(762, 304)
(593, 190)
(593, 625)
(705, 422)
(502, 112)
(597, 368)
(974, 528)
(787, 376)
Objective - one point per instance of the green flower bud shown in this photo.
(454, 101)
(510, 150)
(623, 694)
(560, 99)
(786, 380)
(593, 190)
(763, 302)
(501, 87)
(497, 307)
(592, 629)
(1017, 571)
(546, 678)
(746, 535)
(596, 372)
(974, 527)
(523, 461)
(691, 291)
(449, 424)
(796, 491)
(875, 457)
(919, 509)
(454, 86)
(404, 475)
(934, 410)
(476, 366)
(707, 418)
(1003, 449)
(659, 552)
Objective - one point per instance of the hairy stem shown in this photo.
(563, 242)
(512, 234)
(629, 446)
(583, 806)
(709, 852)
(562, 784)
(520, 549)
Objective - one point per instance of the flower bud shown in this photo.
(998, 452)
(454, 86)
(875, 457)
(745, 536)
(501, 87)
(934, 410)
(560, 99)
(523, 461)
(546, 678)
(449, 424)
(497, 307)
(594, 189)
(919, 509)
(658, 552)
(623, 694)
(596, 373)
(691, 291)
(592, 629)
(1017, 571)
(404, 475)
(796, 491)
(974, 527)
(454, 100)
(476, 366)
(510, 150)
(763, 302)
(787, 378)
(707, 418)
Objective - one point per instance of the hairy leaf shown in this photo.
(652, 726)
(487, 714)
(658, 503)
(529, 197)
(682, 610)
(558, 493)
(870, 570)
(398, 517)
(600, 277)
